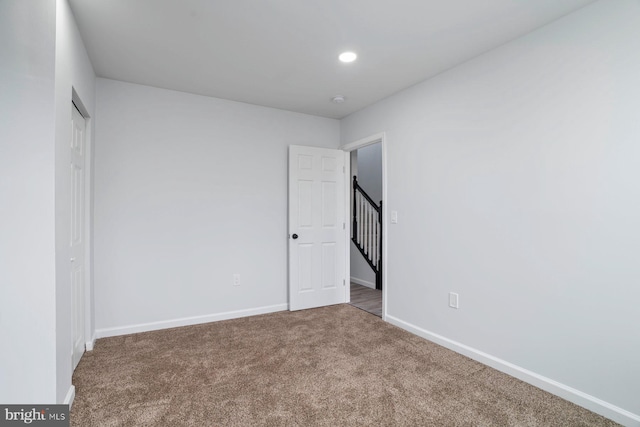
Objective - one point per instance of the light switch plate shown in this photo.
(453, 300)
(394, 217)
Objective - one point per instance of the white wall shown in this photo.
(188, 191)
(369, 172)
(515, 176)
(361, 273)
(73, 70)
(27, 261)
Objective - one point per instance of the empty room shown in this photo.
(187, 214)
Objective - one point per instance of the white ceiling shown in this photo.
(283, 53)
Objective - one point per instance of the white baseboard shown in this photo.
(578, 397)
(363, 282)
(71, 394)
(89, 344)
(187, 321)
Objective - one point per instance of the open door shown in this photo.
(78, 129)
(317, 227)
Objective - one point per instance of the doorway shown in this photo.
(367, 289)
(320, 203)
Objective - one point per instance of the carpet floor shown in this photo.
(331, 366)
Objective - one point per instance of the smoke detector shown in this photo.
(338, 99)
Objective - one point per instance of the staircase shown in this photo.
(367, 229)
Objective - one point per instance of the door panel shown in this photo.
(316, 216)
(305, 205)
(329, 279)
(305, 267)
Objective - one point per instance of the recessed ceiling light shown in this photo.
(347, 57)
(338, 99)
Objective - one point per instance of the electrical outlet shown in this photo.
(236, 279)
(453, 300)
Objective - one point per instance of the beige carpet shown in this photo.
(333, 366)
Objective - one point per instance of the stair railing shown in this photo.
(367, 229)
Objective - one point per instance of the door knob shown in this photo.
(294, 236)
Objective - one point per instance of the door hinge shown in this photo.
(344, 169)
(344, 282)
(344, 225)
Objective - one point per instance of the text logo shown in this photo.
(36, 415)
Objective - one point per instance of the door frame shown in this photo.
(348, 148)
(89, 334)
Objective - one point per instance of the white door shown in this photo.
(317, 227)
(77, 232)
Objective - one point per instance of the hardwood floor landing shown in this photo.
(367, 299)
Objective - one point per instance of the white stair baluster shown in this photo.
(373, 236)
(360, 220)
(375, 244)
(369, 234)
(363, 241)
